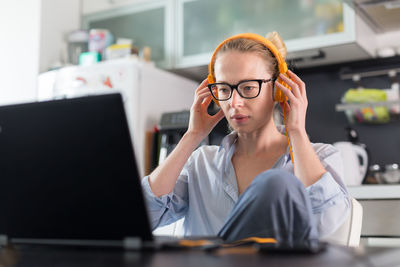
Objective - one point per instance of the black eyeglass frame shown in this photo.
(235, 87)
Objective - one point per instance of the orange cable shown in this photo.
(287, 136)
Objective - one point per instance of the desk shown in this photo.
(57, 257)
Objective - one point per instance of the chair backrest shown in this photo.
(348, 234)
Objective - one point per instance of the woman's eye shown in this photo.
(249, 88)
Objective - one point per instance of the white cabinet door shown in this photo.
(147, 23)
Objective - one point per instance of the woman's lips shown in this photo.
(239, 118)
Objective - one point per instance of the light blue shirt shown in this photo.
(207, 190)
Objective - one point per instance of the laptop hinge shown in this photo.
(3, 240)
(133, 243)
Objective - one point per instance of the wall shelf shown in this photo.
(391, 72)
(355, 106)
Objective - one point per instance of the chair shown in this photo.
(348, 234)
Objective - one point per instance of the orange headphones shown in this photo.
(279, 96)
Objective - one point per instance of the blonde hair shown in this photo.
(249, 45)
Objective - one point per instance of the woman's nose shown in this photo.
(236, 99)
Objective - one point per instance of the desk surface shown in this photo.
(333, 256)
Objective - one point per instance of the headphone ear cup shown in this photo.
(279, 96)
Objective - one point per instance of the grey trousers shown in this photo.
(275, 205)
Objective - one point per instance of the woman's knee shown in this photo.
(276, 178)
(274, 183)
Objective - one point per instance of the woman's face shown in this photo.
(245, 115)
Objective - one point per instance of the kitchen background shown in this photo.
(325, 124)
(332, 44)
(160, 50)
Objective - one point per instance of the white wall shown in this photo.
(58, 18)
(19, 49)
(32, 38)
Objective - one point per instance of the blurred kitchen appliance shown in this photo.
(385, 174)
(77, 43)
(147, 91)
(173, 126)
(355, 159)
(392, 173)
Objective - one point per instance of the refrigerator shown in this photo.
(147, 92)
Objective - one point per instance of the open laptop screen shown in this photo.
(68, 172)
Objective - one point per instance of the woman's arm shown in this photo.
(307, 166)
(163, 179)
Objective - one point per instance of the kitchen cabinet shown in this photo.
(93, 6)
(381, 213)
(304, 25)
(184, 33)
(146, 22)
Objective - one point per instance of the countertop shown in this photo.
(381, 191)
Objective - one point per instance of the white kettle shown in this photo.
(355, 162)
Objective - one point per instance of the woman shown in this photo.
(248, 186)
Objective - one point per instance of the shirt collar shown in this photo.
(230, 139)
(229, 180)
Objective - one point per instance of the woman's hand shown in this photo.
(201, 123)
(295, 110)
(307, 166)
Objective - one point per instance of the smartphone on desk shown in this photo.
(307, 247)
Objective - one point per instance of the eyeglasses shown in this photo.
(247, 89)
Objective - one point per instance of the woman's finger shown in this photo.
(201, 93)
(292, 84)
(218, 116)
(286, 91)
(207, 100)
(204, 95)
(295, 78)
(285, 106)
(299, 81)
(202, 85)
(202, 90)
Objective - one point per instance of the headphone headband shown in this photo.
(252, 36)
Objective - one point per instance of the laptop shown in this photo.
(68, 175)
